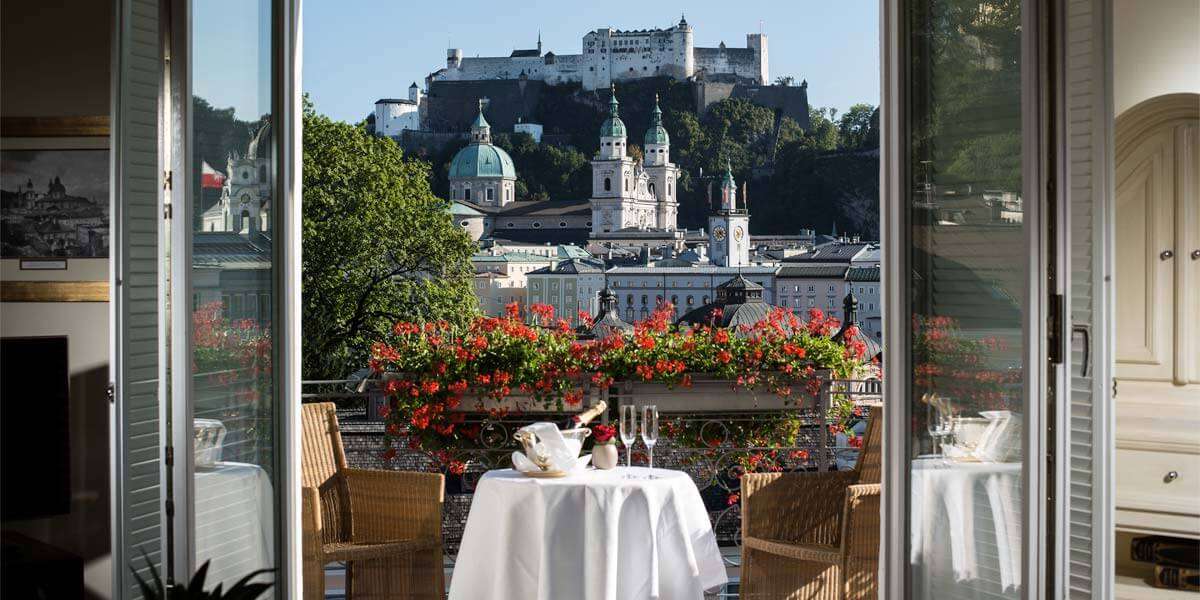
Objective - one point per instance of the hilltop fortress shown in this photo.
(611, 55)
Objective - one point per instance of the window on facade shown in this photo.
(537, 224)
(627, 184)
(467, 194)
(562, 223)
(490, 192)
(464, 223)
(644, 297)
(607, 184)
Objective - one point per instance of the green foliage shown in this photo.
(967, 132)
(858, 129)
(547, 172)
(379, 247)
(243, 589)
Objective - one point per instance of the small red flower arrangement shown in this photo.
(604, 434)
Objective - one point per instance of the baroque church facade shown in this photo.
(627, 194)
(244, 203)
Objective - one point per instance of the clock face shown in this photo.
(719, 233)
(738, 233)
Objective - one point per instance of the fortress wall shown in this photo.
(454, 104)
(741, 62)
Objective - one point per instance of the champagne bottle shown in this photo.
(586, 416)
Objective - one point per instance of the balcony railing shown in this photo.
(709, 431)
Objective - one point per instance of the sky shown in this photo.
(358, 51)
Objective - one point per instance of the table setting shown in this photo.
(966, 495)
(563, 524)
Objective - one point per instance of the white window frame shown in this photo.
(1038, 561)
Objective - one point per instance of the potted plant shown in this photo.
(604, 446)
(244, 589)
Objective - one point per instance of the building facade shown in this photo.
(394, 116)
(570, 287)
(627, 194)
(610, 55)
(641, 289)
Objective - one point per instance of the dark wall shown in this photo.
(55, 62)
(54, 57)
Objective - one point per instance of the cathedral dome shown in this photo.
(482, 160)
(656, 133)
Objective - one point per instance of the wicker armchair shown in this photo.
(814, 535)
(386, 525)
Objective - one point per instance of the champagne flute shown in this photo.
(650, 430)
(628, 430)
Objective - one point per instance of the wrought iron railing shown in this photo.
(704, 433)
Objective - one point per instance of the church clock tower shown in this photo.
(729, 228)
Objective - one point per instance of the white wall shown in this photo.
(1156, 49)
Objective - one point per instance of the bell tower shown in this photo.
(729, 227)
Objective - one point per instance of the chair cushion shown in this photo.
(815, 552)
(366, 551)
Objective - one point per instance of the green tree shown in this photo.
(378, 246)
(858, 128)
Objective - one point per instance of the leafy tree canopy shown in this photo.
(378, 246)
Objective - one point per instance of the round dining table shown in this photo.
(627, 533)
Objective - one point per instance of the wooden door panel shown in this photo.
(1145, 282)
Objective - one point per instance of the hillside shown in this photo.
(798, 178)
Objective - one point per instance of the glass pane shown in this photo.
(969, 268)
(232, 191)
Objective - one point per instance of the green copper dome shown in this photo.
(656, 133)
(613, 126)
(482, 160)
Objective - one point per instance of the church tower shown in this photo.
(729, 227)
(662, 172)
(620, 186)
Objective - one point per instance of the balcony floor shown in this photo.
(335, 577)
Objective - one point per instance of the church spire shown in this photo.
(728, 189)
(539, 42)
(481, 130)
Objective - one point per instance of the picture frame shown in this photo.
(84, 278)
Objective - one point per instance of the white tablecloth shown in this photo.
(966, 528)
(234, 522)
(594, 535)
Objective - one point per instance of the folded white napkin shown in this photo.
(563, 455)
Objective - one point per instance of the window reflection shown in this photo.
(233, 153)
(968, 256)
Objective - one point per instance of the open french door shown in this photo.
(995, 449)
(205, 305)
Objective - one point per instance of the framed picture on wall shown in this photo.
(54, 208)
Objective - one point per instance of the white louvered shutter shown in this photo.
(137, 295)
(1087, 539)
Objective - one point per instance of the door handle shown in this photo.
(1086, 331)
(1166, 255)
(1195, 254)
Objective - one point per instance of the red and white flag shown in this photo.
(210, 177)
